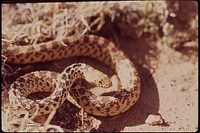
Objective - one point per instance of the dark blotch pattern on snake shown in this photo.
(60, 84)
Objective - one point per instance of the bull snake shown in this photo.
(60, 85)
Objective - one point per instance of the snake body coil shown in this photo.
(89, 46)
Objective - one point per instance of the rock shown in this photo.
(154, 120)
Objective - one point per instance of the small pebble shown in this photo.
(154, 120)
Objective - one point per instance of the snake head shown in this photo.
(104, 82)
(97, 78)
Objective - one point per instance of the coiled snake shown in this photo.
(61, 84)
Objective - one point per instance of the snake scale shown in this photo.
(60, 85)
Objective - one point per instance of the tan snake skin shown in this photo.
(89, 46)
